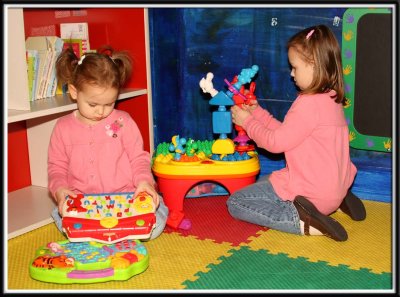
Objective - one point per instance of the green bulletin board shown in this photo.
(367, 66)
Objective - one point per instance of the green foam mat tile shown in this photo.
(260, 270)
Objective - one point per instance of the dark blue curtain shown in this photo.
(186, 43)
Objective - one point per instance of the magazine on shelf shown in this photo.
(77, 36)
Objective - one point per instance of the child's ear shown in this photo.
(73, 92)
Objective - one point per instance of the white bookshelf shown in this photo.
(30, 207)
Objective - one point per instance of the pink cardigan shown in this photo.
(104, 158)
(315, 139)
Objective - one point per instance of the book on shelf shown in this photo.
(32, 62)
(44, 74)
(61, 88)
(37, 43)
(56, 45)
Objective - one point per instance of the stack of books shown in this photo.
(41, 55)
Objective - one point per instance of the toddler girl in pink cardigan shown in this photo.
(96, 148)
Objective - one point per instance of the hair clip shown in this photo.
(309, 34)
(112, 59)
(81, 59)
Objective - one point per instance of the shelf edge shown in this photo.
(30, 228)
(22, 115)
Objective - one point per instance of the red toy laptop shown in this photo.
(108, 218)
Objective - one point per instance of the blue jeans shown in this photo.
(161, 219)
(259, 204)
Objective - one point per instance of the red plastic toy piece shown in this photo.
(175, 218)
(75, 203)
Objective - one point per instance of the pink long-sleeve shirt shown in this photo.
(314, 137)
(103, 158)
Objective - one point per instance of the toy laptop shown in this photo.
(108, 218)
(67, 262)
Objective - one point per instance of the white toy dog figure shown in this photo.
(207, 86)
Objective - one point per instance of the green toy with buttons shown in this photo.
(67, 262)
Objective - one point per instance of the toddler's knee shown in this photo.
(232, 205)
(229, 202)
(161, 220)
(233, 199)
(57, 218)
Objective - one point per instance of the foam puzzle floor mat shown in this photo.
(224, 254)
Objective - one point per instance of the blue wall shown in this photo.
(186, 43)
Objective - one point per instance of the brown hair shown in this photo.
(319, 45)
(105, 68)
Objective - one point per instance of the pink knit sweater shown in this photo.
(103, 158)
(315, 140)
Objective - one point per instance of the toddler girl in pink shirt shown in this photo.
(96, 148)
(314, 138)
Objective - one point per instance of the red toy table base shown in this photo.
(174, 191)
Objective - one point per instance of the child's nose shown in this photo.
(100, 110)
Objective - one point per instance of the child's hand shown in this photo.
(251, 105)
(239, 115)
(60, 196)
(149, 189)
